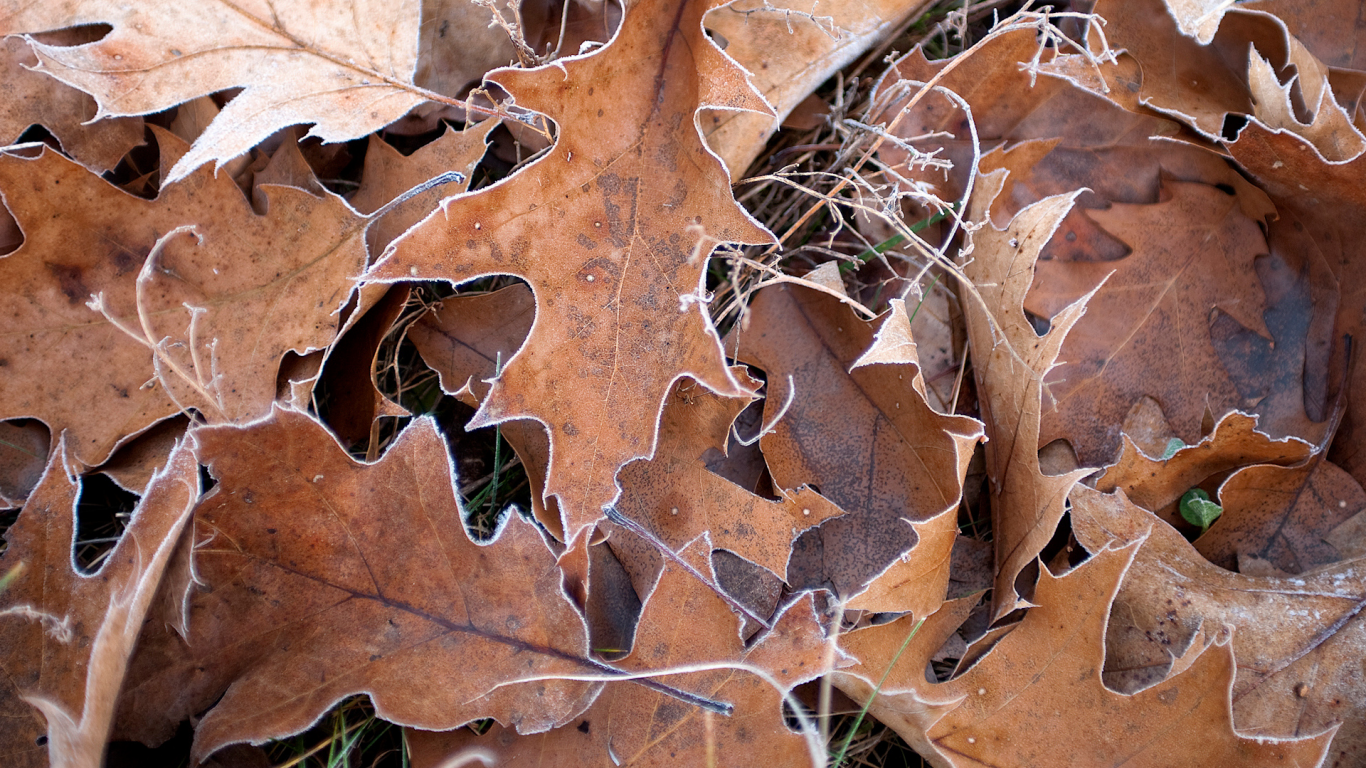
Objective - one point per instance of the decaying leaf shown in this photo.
(30, 98)
(1297, 640)
(791, 48)
(348, 73)
(298, 611)
(612, 228)
(1156, 483)
(849, 418)
(680, 626)
(676, 498)
(166, 317)
(1036, 698)
(1010, 362)
(23, 455)
(65, 637)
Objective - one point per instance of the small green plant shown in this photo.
(1197, 509)
(1173, 445)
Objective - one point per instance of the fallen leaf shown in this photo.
(30, 98)
(791, 48)
(467, 340)
(848, 417)
(299, 611)
(1157, 484)
(65, 637)
(611, 228)
(1037, 698)
(1281, 162)
(1280, 515)
(256, 286)
(297, 62)
(23, 456)
(389, 173)
(676, 499)
(1010, 362)
(680, 626)
(1297, 640)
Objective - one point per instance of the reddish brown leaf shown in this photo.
(1281, 515)
(23, 454)
(1156, 484)
(31, 98)
(301, 610)
(629, 725)
(791, 48)
(1297, 640)
(465, 341)
(65, 637)
(1037, 698)
(676, 498)
(855, 426)
(611, 228)
(259, 287)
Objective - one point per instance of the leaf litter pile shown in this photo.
(682, 383)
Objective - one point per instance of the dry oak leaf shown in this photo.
(680, 626)
(1282, 516)
(612, 228)
(676, 498)
(1297, 640)
(256, 287)
(323, 578)
(1010, 363)
(31, 98)
(791, 48)
(346, 69)
(66, 637)
(1158, 484)
(1315, 224)
(848, 417)
(1036, 698)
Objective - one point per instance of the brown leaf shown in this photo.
(65, 637)
(259, 287)
(23, 455)
(1037, 697)
(1297, 640)
(301, 610)
(791, 48)
(1313, 226)
(675, 498)
(31, 98)
(466, 341)
(388, 174)
(1009, 362)
(1281, 515)
(680, 626)
(855, 427)
(1158, 485)
(298, 62)
(611, 229)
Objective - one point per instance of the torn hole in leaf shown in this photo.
(102, 512)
